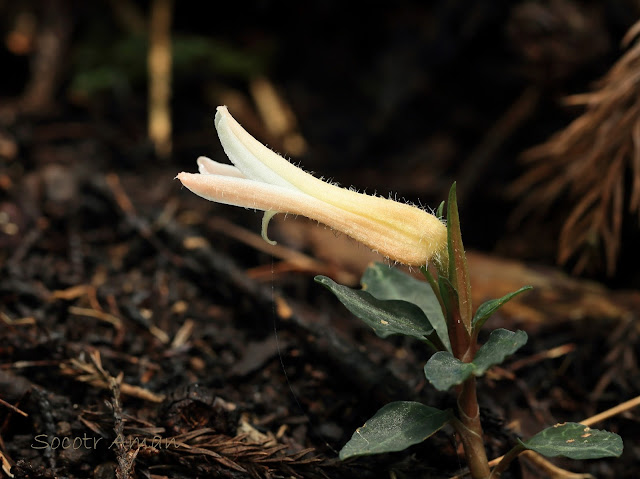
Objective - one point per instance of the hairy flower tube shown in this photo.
(263, 180)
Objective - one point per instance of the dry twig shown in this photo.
(585, 165)
(91, 372)
(159, 66)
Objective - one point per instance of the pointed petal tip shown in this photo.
(221, 112)
(203, 162)
(182, 176)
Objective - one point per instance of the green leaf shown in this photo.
(395, 427)
(487, 308)
(501, 343)
(385, 317)
(386, 283)
(575, 441)
(443, 370)
(458, 269)
(440, 210)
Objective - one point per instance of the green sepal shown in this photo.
(395, 427)
(458, 269)
(458, 333)
(265, 224)
(449, 297)
(575, 441)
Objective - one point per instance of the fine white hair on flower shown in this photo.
(261, 179)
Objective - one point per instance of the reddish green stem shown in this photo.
(470, 430)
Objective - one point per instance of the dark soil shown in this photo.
(138, 338)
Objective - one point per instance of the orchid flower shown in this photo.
(263, 180)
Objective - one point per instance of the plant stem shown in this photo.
(470, 430)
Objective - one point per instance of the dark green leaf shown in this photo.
(501, 343)
(458, 270)
(488, 308)
(386, 283)
(385, 317)
(443, 370)
(395, 427)
(575, 441)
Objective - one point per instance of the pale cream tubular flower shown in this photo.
(263, 180)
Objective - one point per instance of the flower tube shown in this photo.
(263, 180)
